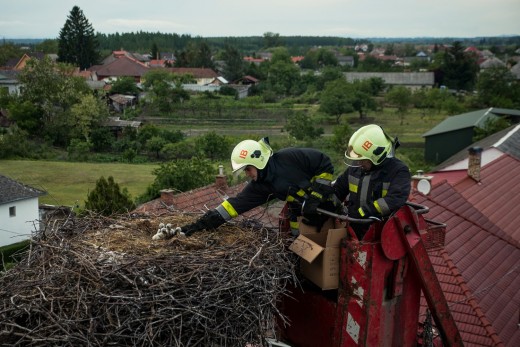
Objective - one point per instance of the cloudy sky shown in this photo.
(345, 18)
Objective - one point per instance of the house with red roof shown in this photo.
(122, 66)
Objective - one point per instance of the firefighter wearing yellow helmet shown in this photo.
(375, 183)
(250, 152)
(300, 176)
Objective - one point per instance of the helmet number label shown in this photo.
(366, 145)
(243, 154)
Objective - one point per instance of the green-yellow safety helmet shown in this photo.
(251, 152)
(370, 143)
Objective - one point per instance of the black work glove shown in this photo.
(321, 189)
(318, 193)
(210, 220)
(310, 206)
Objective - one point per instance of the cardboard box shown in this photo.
(320, 254)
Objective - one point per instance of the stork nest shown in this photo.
(98, 281)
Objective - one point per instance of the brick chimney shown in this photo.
(167, 196)
(221, 180)
(474, 162)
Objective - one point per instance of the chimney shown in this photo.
(167, 196)
(220, 179)
(421, 183)
(474, 161)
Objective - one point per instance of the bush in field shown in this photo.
(302, 127)
(107, 198)
(180, 175)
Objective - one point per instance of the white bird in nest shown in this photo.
(165, 232)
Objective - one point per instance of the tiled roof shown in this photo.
(497, 195)
(123, 66)
(475, 329)
(198, 201)
(12, 190)
(487, 257)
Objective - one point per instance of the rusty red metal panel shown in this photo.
(311, 317)
(437, 303)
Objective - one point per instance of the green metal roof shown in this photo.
(469, 120)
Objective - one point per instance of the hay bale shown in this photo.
(101, 281)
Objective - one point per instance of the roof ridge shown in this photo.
(505, 137)
(470, 298)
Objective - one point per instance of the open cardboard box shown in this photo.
(320, 253)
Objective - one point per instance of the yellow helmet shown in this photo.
(369, 142)
(250, 152)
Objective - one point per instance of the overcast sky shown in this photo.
(208, 18)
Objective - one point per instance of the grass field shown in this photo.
(69, 183)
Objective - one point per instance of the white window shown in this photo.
(12, 211)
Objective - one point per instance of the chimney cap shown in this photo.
(475, 150)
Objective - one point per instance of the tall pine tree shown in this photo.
(77, 43)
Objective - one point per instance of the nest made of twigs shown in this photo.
(97, 281)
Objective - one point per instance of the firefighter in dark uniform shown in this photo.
(300, 176)
(375, 183)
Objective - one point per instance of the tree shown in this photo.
(197, 54)
(77, 43)
(155, 145)
(336, 99)
(302, 127)
(401, 97)
(498, 87)
(460, 69)
(271, 40)
(107, 198)
(9, 51)
(181, 175)
(283, 76)
(155, 51)
(491, 126)
(234, 65)
(124, 85)
(52, 90)
(203, 56)
(164, 89)
(341, 136)
(85, 115)
(213, 146)
(340, 97)
(48, 46)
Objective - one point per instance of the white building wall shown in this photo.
(18, 228)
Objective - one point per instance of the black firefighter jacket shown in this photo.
(379, 192)
(287, 171)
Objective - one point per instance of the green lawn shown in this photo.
(68, 183)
